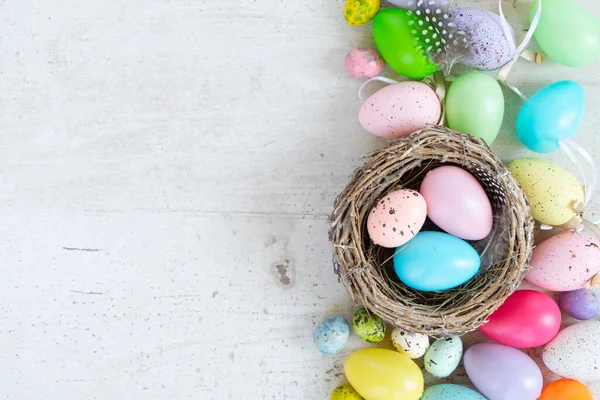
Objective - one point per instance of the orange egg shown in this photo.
(566, 389)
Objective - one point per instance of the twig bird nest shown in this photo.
(366, 269)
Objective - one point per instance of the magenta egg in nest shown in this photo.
(491, 43)
(364, 63)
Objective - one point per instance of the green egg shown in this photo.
(368, 327)
(345, 392)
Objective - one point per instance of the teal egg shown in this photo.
(551, 114)
(434, 261)
(451, 392)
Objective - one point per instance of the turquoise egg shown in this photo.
(331, 335)
(451, 392)
(434, 261)
(551, 114)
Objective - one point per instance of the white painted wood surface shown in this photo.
(166, 169)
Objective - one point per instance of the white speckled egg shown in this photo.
(397, 218)
(443, 356)
(398, 110)
(565, 261)
(413, 345)
(451, 392)
(490, 46)
(412, 4)
(575, 352)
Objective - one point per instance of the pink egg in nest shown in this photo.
(364, 63)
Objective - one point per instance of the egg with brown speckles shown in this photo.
(575, 352)
(397, 218)
(551, 189)
(412, 344)
(400, 109)
(345, 392)
(565, 261)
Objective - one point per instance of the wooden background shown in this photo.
(166, 171)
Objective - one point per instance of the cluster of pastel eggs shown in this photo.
(565, 263)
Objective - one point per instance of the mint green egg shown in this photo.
(475, 105)
(451, 392)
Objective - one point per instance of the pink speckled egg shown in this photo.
(364, 63)
(565, 261)
(457, 203)
(397, 218)
(398, 110)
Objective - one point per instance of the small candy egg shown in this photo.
(566, 389)
(551, 189)
(359, 12)
(331, 335)
(503, 373)
(575, 352)
(527, 318)
(582, 304)
(364, 63)
(451, 392)
(443, 356)
(369, 327)
(413, 345)
(345, 392)
(434, 261)
(565, 261)
(551, 114)
(489, 44)
(457, 203)
(381, 374)
(397, 218)
(400, 109)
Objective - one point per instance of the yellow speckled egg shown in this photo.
(359, 12)
(551, 189)
(345, 392)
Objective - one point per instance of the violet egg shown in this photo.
(491, 46)
(582, 304)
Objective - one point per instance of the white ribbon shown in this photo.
(569, 146)
(375, 78)
(503, 74)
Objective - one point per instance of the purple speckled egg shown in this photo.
(398, 110)
(364, 63)
(582, 304)
(490, 48)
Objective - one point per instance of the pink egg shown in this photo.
(565, 261)
(364, 63)
(527, 319)
(398, 110)
(457, 203)
(397, 218)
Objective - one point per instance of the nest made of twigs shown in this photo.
(367, 269)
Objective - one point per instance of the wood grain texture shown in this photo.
(166, 171)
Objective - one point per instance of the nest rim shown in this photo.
(365, 273)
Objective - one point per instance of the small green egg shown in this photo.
(345, 392)
(368, 327)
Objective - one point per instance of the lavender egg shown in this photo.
(490, 48)
(582, 304)
(413, 4)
